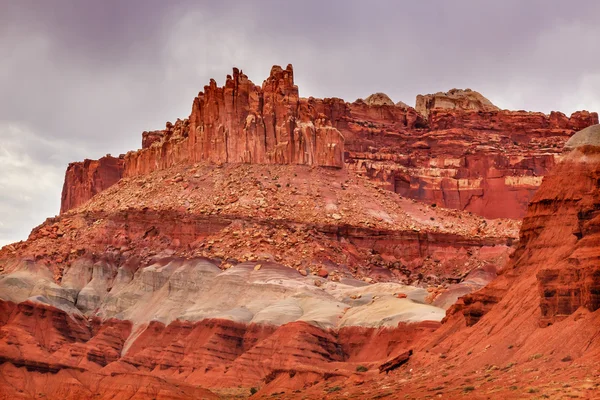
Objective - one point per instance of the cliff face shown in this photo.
(85, 179)
(543, 309)
(244, 123)
(556, 251)
(239, 274)
(455, 150)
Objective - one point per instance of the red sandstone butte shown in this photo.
(455, 150)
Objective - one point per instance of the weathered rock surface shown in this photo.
(243, 123)
(85, 179)
(532, 330)
(379, 99)
(225, 351)
(301, 217)
(195, 262)
(488, 163)
(74, 383)
(589, 136)
(453, 99)
(455, 150)
(530, 333)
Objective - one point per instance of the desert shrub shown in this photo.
(361, 368)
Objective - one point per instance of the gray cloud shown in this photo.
(83, 78)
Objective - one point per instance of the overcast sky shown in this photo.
(80, 79)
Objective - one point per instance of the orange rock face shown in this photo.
(542, 310)
(84, 179)
(455, 150)
(37, 340)
(243, 123)
(489, 163)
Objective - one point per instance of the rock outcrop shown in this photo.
(294, 214)
(543, 309)
(463, 153)
(488, 163)
(532, 332)
(85, 179)
(379, 99)
(454, 99)
(557, 241)
(243, 123)
(174, 359)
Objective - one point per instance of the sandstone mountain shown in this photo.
(295, 246)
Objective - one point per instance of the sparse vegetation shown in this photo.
(253, 391)
(509, 366)
(361, 368)
(469, 388)
(333, 389)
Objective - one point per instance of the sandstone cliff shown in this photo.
(542, 311)
(85, 179)
(467, 155)
(243, 123)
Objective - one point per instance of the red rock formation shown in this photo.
(489, 163)
(468, 155)
(84, 179)
(69, 383)
(43, 340)
(169, 209)
(533, 331)
(242, 122)
(561, 226)
(517, 124)
(182, 209)
(545, 303)
(453, 99)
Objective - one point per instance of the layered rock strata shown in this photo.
(456, 151)
(530, 333)
(454, 99)
(244, 123)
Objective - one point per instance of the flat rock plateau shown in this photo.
(274, 246)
